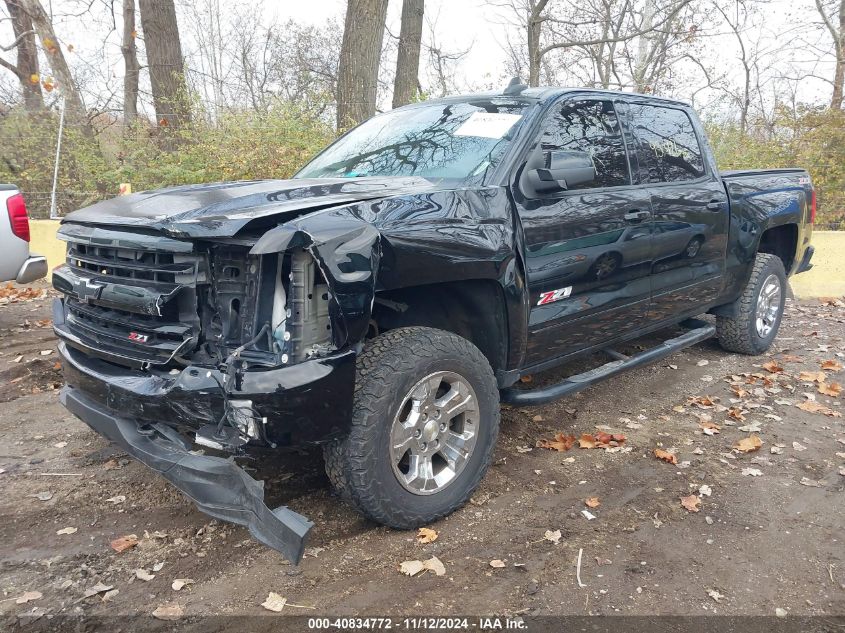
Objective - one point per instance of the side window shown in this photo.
(667, 147)
(592, 127)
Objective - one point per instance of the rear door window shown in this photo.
(593, 127)
(667, 147)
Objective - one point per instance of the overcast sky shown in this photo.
(460, 25)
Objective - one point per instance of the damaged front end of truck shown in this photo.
(177, 342)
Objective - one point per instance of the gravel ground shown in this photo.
(767, 537)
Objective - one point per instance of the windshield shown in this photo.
(446, 140)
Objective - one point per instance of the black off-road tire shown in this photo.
(739, 333)
(359, 466)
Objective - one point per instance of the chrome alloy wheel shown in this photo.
(768, 306)
(434, 433)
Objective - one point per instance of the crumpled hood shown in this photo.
(223, 209)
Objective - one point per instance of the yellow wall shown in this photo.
(826, 279)
(42, 241)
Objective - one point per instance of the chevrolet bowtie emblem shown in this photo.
(87, 291)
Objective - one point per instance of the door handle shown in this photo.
(715, 205)
(636, 215)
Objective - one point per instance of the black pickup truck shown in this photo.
(384, 301)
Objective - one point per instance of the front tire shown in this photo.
(424, 423)
(760, 310)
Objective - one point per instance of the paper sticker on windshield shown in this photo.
(487, 124)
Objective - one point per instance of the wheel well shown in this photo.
(473, 309)
(781, 241)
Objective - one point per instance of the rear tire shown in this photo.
(760, 309)
(409, 383)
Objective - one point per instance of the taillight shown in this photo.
(17, 216)
(813, 207)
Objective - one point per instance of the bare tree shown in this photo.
(564, 26)
(50, 44)
(165, 61)
(357, 85)
(129, 49)
(26, 67)
(406, 83)
(833, 16)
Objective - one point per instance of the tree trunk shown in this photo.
(26, 69)
(166, 64)
(130, 64)
(50, 43)
(534, 24)
(357, 84)
(839, 72)
(408, 60)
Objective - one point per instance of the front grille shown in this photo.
(130, 298)
(142, 338)
(130, 265)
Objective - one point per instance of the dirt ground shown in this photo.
(768, 536)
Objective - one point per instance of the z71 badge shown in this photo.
(139, 338)
(554, 295)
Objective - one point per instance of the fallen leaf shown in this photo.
(98, 588)
(169, 612)
(143, 574)
(124, 543)
(748, 444)
(692, 503)
(27, 596)
(772, 367)
(413, 567)
(586, 441)
(831, 365)
(181, 582)
(588, 515)
(798, 446)
(715, 594)
(274, 602)
(67, 530)
(554, 537)
(703, 402)
(560, 443)
(833, 389)
(527, 379)
(498, 564)
(18, 359)
(709, 428)
(817, 407)
(592, 502)
(812, 376)
(737, 414)
(805, 481)
(426, 535)
(666, 456)
(751, 472)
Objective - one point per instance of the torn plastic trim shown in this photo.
(348, 252)
(218, 486)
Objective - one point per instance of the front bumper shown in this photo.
(35, 267)
(218, 486)
(303, 404)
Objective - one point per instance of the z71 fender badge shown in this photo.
(554, 295)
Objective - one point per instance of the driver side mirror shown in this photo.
(555, 171)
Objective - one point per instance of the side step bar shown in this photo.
(699, 331)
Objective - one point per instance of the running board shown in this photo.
(698, 331)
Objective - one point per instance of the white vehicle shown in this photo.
(16, 263)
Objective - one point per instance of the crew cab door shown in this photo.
(690, 209)
(588, 248)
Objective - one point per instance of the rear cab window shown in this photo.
(666, 144)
